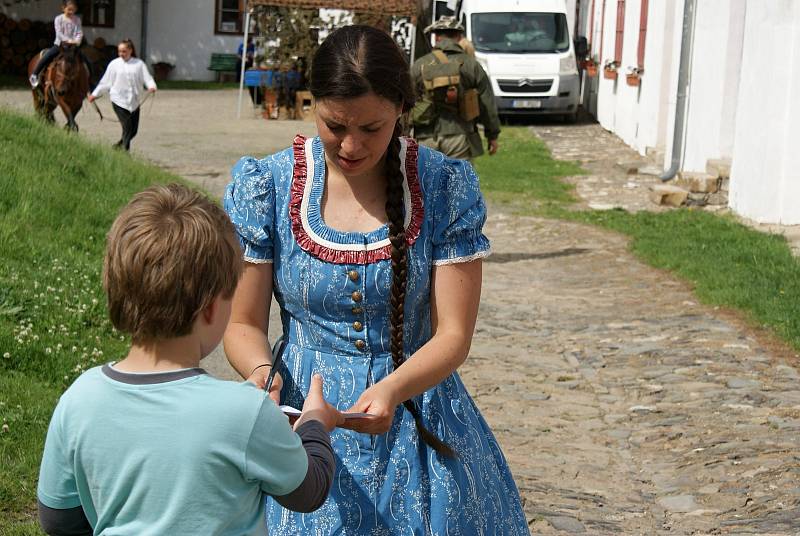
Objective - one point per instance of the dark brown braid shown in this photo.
(397, 236)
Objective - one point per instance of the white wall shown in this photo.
(765, 180)
(660, 61)
(638, 115)
(181, 32)
(714, 82)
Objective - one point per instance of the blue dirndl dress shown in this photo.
(333, 291)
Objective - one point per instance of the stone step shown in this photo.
(651, 169)
(698, 182)
(656, 154)
(720, 168)
(668, 195)
(632, 167)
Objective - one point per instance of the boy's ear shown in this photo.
(210, 312)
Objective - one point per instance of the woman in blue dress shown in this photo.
(372, 247)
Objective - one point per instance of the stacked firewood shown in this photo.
(20, 41)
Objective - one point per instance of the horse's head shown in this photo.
(66, 67)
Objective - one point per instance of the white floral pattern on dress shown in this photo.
(391, 483)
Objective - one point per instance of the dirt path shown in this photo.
(623, 406)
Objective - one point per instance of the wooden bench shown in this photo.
(223, 64)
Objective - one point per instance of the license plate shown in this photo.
(526, 104)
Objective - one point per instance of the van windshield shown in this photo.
(520, 32)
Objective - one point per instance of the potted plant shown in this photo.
(161, 70)
(610, 70)
(634, 76)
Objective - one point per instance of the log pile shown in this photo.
(20, 41)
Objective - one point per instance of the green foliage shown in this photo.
(296, 32)
(58, 196)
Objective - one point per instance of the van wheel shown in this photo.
(571, 119)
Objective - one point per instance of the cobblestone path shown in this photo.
(623, 405)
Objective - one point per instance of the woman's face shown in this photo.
(124, 51)
(356, 132)
(69, 9)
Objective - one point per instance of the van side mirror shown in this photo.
(581, 47)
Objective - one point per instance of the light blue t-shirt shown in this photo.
(192, 455)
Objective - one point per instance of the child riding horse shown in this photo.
(65, 84)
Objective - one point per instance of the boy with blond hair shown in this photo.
(151, 444)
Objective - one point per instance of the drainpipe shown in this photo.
(684, 70)
(143, 41)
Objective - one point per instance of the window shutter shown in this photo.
(642, 35)
(620, 31)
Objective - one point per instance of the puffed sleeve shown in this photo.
(250, 204)
(459, 213)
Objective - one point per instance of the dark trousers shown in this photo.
(45, 60)
(50, 55)
(130, 126)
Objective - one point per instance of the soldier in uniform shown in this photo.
(455, 94)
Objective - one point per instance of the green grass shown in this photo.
(58, 196)
(522, 172)
(728, 263)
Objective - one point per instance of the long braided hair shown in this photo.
(351, 62)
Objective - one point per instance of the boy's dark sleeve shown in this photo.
(313, 490)
(67, 522)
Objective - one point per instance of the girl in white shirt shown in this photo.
(124, 78)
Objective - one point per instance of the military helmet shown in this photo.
(445, 23)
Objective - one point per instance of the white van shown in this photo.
(525, 48)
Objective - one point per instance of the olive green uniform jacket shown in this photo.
(450, 124)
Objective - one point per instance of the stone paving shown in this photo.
(622, 405)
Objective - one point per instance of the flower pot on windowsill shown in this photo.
(610, 73)
(633, 79)
(591, 70)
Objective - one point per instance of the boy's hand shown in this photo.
(317, 409)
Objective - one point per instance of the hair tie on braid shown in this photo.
(397, 237)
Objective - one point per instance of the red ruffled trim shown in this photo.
(336, 256)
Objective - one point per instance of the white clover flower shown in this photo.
(5, 428)
(7, 355)
(48, 350)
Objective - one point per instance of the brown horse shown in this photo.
(65, 83)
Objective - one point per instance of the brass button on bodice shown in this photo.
(358, 326)
(353, 275)
(357, 310)
(360, 344)
(357, 297)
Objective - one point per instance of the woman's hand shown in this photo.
(379, 401)
(259, 377)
